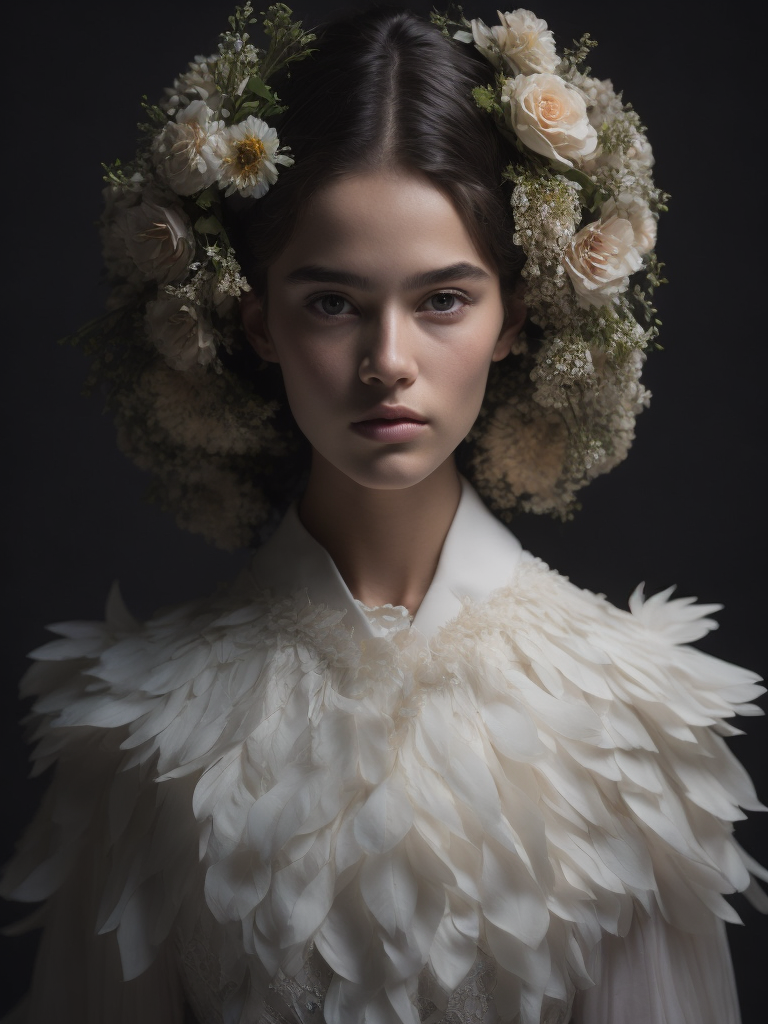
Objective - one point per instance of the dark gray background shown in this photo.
(686, 507)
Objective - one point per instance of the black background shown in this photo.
(686, 507)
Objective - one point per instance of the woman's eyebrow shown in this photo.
(329, 275)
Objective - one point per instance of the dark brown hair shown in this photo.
(385, 88)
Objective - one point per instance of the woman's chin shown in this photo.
(390, 468)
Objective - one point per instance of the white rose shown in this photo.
(639, 215)
(549, 117)
(185, 152)
(522, 40)
(196, 83)
(180, 332)
(600, 259)
(158, 239)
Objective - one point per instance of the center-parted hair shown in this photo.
(386, 89)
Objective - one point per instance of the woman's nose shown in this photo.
(388, 353)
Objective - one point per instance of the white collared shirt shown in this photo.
(479, 556)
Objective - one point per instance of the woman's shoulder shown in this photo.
(641, 656)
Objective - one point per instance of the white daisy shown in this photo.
(249, 153)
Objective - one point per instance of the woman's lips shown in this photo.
(389, 431)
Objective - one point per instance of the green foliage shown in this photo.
(592, 197)
(243, 70)
(208, 197)
(114, 174)
(208, 226)
(257, 99)
(288, 41)
(486, 97)
(453, 24)
(154, 118)
(576, 58)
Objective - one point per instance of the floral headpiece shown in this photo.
(585, 210)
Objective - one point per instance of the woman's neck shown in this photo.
(385, 543)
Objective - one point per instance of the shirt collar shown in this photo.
(479, 556)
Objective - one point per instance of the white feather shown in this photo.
(519, 781)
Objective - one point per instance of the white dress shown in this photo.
(276, 805)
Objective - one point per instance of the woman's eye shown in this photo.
(331, 305)
(445, 302)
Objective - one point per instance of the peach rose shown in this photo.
(549, 117)
(600, 258)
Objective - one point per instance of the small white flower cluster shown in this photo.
(585, 210)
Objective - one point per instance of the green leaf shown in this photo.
(252, 107)
(592, 197)
(208, 226)
(257, 87)
(207, 197)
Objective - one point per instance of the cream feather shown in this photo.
(522, 780)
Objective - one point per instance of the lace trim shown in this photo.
(299, 1000)
(386, 619)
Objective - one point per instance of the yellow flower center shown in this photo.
(250, 153)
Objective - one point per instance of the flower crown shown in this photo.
(585, 210)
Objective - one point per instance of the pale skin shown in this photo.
(385, 319)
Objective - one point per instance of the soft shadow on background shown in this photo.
(686, 508)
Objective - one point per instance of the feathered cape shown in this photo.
(517, 783)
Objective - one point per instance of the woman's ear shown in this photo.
(253, 316)
(516, 312)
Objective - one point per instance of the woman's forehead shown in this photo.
(381, 223)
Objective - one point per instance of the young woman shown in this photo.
(399, 771)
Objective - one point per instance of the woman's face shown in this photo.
(384, 319)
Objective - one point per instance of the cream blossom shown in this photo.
(549, 117)
(522, 41)
(181, 333)
(158, 238)
(603, 105)
(639, 155)
(600, 259)
(249, 153)
(185, 151)
(527, 451)
(197, 83)
(635, 161)
(639, 215)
